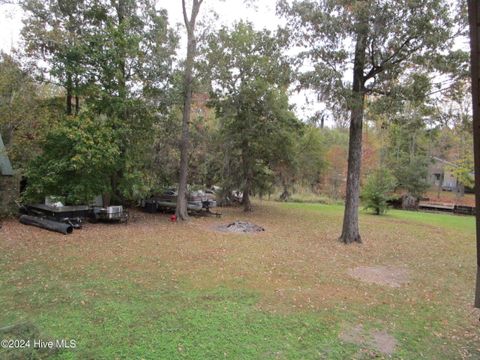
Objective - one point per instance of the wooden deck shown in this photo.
(446, 207)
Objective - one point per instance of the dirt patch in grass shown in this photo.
(393, 276)
(240, 227)
(378, 340)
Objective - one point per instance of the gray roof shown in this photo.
(5, 165)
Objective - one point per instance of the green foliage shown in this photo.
(457, 139)
(399, 35)
(79, 156)
(302, 160)
(311, 154)
(100, 49)
(137, 182)
(463, 171)
(411, 174)
(115, 59)
(405, 123)
(377, 190)
(118, 59)
(54, 39)
(26, 109)
(250, 78)
(407, 152)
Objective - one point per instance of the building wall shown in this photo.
(438, 172)
(449, 181)
(9, 192)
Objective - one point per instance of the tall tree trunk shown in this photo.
(285, 194)
(247, 204)
(69, 93)
(247, 173)
(474, 19)
(181, 209)
(350, 231)
(77, 105)
(77, 100)
(440, 184)
(459, 189)
(121, 61)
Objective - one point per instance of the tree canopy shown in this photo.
(250, 77)
(389, 68)
(378, 42)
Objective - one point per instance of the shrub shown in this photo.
(378, 190)
(78, 160)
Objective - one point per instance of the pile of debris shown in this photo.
(240, 227)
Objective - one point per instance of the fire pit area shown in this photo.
(240, 227)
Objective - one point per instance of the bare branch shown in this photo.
(195, 9)
(388, 62)
(185, 16)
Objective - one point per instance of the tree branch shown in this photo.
(376, 69)
(185, 16)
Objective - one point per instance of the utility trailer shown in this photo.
(198, 202)
(72, 215)
(110, 214)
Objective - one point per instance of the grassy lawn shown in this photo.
(153, 289)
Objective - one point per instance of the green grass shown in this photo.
(221, 323)
(323, 208)
(448, 221)
(176, 293)
(178, 324)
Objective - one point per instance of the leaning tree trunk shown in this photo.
(181, 209)
(350, 231)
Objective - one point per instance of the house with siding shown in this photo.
(440, 175)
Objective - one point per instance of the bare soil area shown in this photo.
(379, 341)
(394, 276)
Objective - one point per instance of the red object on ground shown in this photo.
(173, 218)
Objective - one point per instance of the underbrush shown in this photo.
(307, 196)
